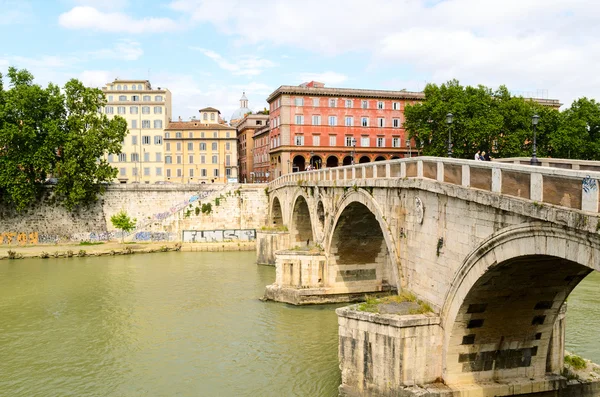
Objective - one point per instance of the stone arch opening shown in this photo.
(380, 158)
(321, 213)
(316, 162)
(505, 324)
(347, 160)
(298, 164)
(276, 217)
(395, 157)
(332, 161)
(364, 159)
(301, 230)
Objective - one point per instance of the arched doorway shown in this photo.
(347, 160)
(301, 228)
(316, 162)
(364, 159)
(299, 164)
(332, 161)
(276, 216)
(380, 158)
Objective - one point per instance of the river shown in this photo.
(179, 324)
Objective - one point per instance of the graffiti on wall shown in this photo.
(20, 238)
(154, 236)
(210, 236)
(179, 206)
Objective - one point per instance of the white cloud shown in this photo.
(84, 17)
(102, 4)
(247, 65)
(95, 78)
(329, 78)
(124, 49)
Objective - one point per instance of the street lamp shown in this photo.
(288, 166)
(534, 120)
(449, 118)
(408, 147)
(353, 150)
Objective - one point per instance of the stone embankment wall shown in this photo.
(162, 213)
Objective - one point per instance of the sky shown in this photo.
(207, 52)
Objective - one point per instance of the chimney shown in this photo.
(179, 118)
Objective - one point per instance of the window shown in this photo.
(168, 159)
(228, 172)
(203, 146)
(191, 159)
(123, 171)
(228, 160)
(134, 171)
(178, 159)
(168, 147)
(205, 116)
(364, 121)
(364, 141)
(190, 146)
(212, 117)
(299, 140)
(396, 105)
(134, 124)
(110, 98)
(134, 139)
(227, 146)
(349, 121)
(145, 109)
(332, 140)
(158, 171)
(396, 123)
(135, 157)
(146, 156)
(202, 159)
(146, 140)
(380, 142)
(348, 103)
(145, 123)
(191, 172)
(215, 159)
(158, 157)
(146, 98)
(167, 135)
(316, 102)
(214, 146)
(203, 172)
(190, 134)
(122, 98)
(179, 172)
(316, 119)
(118, 87)
(146, 171)
(110, 158)
(157, 110)
(133, 110)
(299, 119)
(332, 103)
(365, 104)
(381, 122)
(395, 142)
(122, 157)
(299, 101)
(216, 172)
(109, 110)
(178, 146)
(157, 140)
(158, 124)
(316, 140)
(227, 134)
(380, 105)
(158, 98)
(125, 87)
(349, 141)
(332, 120)
(215, 134)
(135, 98)
(168, 173)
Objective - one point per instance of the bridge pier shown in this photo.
(267, 243)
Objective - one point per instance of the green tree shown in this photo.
(578, 135)
(123, 222)
(45, 133)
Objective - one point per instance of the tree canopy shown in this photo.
(49, 132)
(500, 123)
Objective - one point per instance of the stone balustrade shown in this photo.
(571, 188)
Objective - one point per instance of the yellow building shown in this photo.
(147, 112)
(201, 150)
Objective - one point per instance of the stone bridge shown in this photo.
(493, 248)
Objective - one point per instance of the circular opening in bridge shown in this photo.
(276, 217)
(347, 160)
(380, 158)
(301, 230)
(364, 159)
(506, 321)
(332, 161)
(357, 237)
(299, 164)
(321, 213)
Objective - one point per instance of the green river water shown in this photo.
(180, 324)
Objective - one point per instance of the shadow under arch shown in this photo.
(500, 312)
(301, 228)
(359, 238)
(275, 213)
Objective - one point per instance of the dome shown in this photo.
(241, 112)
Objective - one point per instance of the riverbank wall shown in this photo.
(164, 213)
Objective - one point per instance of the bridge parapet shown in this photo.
(576, 189)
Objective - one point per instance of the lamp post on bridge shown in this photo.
(409, 147)
(311, 158)
(449, 118)
(534, 120)
(353, 151)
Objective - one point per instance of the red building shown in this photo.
(261, 171)
(326, 127)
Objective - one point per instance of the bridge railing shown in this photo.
(576, 189)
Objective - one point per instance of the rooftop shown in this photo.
(210, 109)
(318, 89)
(196, 125)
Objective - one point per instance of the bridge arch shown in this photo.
(301, 223)
(360, 246)
(275, 213)
(500, 312)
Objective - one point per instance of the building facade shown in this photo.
(261, 159)
(201, 150)
(245, 135)
(147, 112)
(314, 126)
